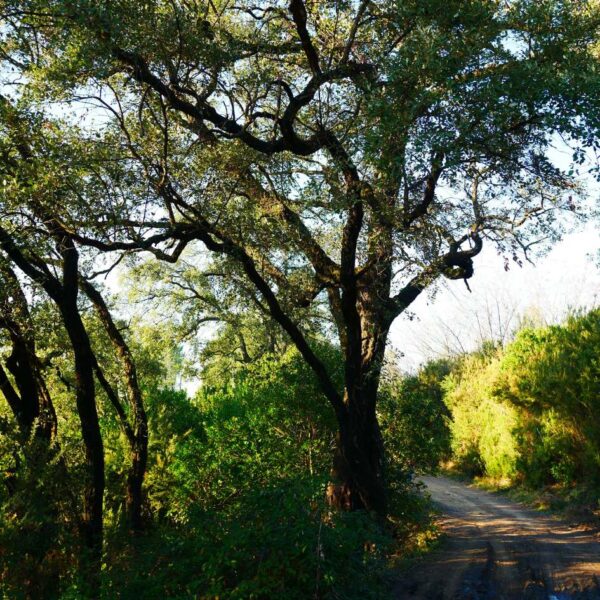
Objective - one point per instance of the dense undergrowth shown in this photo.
(235, 504)
(235, 487)
(525, 415)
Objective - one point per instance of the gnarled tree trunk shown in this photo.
(358, 471)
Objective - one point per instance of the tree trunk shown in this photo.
(358, 465)
(135, 481)
(358, 472)
(139, 445)
(90, 428)
(138, 436)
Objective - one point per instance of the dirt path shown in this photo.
(495, 549)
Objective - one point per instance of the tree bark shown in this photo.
(138, 439)
(358, 465)
(85, 397)
(358, 472)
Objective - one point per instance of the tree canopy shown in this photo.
(334, 158)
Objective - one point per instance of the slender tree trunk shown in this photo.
(139, 446)
(139, 431)
(94, 450)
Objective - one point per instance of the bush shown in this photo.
(415, 421)
(482, 426)
(528, 412)
(238, 486)
(554, 375)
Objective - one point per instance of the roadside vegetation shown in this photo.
(235, 488)
(524, 416)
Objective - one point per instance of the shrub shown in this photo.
(238, 488)
(415, 421)
(482, 426)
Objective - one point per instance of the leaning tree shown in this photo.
(45, 166)
(348, 151)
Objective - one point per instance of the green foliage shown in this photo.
(238, 480)
(268, 423)
(549, 450)
(37, 520)
(528, 412)
(235, 495)
(275, 541)
(553, 374)
(415, 421)
(482, 440)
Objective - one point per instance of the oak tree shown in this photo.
(348, 151)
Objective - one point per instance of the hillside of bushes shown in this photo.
(527, 413)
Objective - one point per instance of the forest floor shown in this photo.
(496, 549)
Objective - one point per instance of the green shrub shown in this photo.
(529, 412)
(415, 421)
(553, 374)
(482, 426)
(237, 486)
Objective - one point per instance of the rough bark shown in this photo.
(358, 471)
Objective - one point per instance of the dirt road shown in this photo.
(495, 549)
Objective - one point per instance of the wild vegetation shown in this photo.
(526, 412)
(234, 489)
(275, 183)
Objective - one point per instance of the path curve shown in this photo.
(495, 549)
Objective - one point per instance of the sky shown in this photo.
(454, 319)
(566, 279)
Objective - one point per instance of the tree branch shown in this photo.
(298, 11)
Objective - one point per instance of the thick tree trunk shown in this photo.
(358, 472)
(358, 466)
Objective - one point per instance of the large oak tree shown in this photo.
(348, 151)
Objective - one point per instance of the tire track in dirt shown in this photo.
(495, 549)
